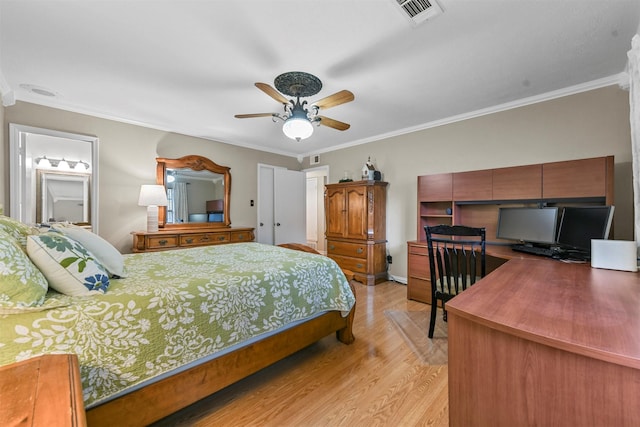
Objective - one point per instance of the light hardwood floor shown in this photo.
(377, 381)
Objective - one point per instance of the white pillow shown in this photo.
(67, 265)
(107, 255)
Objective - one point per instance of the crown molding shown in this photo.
(616, 79)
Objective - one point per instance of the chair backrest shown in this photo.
(456, 258)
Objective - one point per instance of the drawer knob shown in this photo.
(163, 242)
(359, 250)
(240, 236)
(189, 240)
(332, 247)
(221, 238)
(360, 265)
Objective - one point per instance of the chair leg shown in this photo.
(432, 323)
(444, 312)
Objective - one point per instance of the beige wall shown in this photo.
(4, 153)
(590, 124)
(127, 160)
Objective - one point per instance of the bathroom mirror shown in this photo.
(63, 197)
(28, 146)
(198, 193)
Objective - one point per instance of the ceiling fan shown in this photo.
(298, 119)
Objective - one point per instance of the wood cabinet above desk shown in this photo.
(472, 198)
(177, 238)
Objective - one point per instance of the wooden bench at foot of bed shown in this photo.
(162, 398)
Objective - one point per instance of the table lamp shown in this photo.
(152, 196)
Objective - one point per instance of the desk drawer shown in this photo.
(165, 242)
(355, 250)
(419, 250)
(354, 264)
(419, 290)
(203, 239)
(419, 266)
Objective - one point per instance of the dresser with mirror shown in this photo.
(198, 208)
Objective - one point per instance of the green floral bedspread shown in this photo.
(176, 307)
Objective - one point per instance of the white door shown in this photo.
(265, 232)
(281, 206)
(290, 206)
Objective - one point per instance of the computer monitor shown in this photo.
(198, 217)
(580, 224)
(528, 225)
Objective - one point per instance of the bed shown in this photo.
(183, 324)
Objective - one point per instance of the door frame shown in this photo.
(320, 171)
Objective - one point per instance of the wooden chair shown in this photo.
(456, 261)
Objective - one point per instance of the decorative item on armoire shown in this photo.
(346, 177)
(369, 172)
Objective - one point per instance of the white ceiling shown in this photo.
(190, 66)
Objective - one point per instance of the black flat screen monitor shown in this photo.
(580, 224)
(528, 225)
(198, 217)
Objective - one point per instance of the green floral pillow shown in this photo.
(69, 267)
(22, 285)
(18, 230)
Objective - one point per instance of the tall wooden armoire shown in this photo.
(356, 228)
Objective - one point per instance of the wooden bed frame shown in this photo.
(162, 398)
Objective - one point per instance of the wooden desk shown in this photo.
(42, 391)
(541, 342)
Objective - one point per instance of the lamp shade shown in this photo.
(152, 195)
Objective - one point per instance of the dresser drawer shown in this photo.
(241, 236)
(164, 242)
(355, 250)
(354, 264)
(202, 239)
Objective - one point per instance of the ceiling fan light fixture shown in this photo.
(297, 128)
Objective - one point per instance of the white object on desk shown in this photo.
(614, 254)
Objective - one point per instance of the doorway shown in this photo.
(316, 180)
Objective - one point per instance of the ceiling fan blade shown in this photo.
(248, 116)
(336, 99)
(326, 121)
(269, 90)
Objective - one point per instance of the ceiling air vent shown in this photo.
(419, 10)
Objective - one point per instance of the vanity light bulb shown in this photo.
(63, 165)
(44, 163)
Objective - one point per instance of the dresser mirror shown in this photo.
(198, 193)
